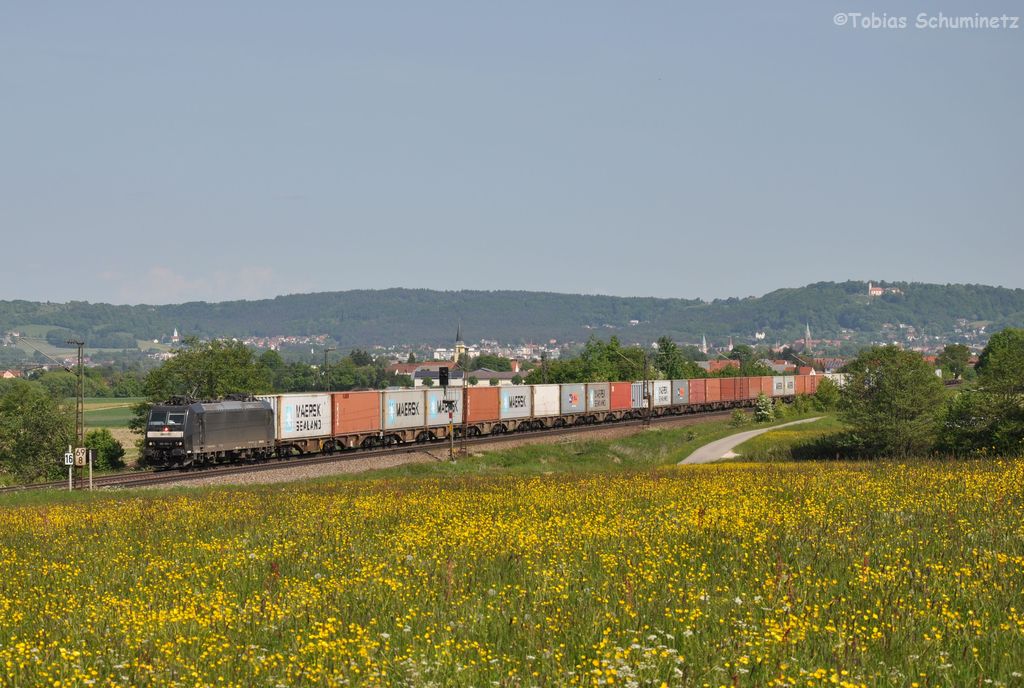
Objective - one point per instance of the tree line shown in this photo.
(896, 406)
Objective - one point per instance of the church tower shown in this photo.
(460, 346)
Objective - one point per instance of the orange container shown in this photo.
(714, 389)
(698, 391)
(728, 388)
(355, 412)
(482, 404)
(801, 384)
(620, 396)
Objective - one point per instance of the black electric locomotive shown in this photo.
(185, 432)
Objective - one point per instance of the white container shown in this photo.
(546, 401)
(598, 396)
(516, 402)
(405, 409)
(437, 410)
(778, 385)
(298, 416)
(661, 390)
(637, 393)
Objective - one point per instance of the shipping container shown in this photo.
(790, 384)
(727, 387)
(298, 416)
(573, 398)
(483, 404)
(405, 409)
(680, 392)
(662, 392)
(545, 401)
(838, 379)
(766, 385)
(637, 395)
(778, 385)
(713, 390)
(619, 394)
(355, 412)
(597, 397)
(800, 384)
(516, 402)
(812, 383)
(742, 388)
(437, 408)
(698, 390)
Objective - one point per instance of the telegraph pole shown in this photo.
(327, 374)
(80, 396)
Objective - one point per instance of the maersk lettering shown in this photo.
(407, 408)
(517, 401)
(307, 411)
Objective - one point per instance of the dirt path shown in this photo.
(721, 449)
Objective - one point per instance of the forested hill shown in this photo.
(365, 317)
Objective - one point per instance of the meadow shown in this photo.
(798, 574)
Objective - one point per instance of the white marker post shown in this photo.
(69, 461)
(91, 451)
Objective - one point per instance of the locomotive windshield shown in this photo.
(162, 418)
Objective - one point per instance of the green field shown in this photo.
(108, 412)
(779, 445)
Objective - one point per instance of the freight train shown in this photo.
(184, 432)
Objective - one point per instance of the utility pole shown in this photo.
(646, 384)
(650, 397)
(327, 374)
(80, 396)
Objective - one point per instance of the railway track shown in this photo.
(159, 477)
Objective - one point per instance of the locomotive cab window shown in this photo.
(163, 418)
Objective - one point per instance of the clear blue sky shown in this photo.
(167, 152)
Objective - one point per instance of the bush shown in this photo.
(739, 418)
(109, 453)
(764, 410)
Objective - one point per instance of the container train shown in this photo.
(184, 432)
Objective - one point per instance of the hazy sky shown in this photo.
(177, 151)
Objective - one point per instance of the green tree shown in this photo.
(891, 400)
(208, 370)
(495, 382)
(953, 361)
(35, 431)
(109, 453)
(361, 357)
(427, 382)
(992, 417)
(826, 398)
(491, 362)
(412, 358)
(517, 380)
(473, 381)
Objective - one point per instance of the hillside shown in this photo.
(365, 317)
